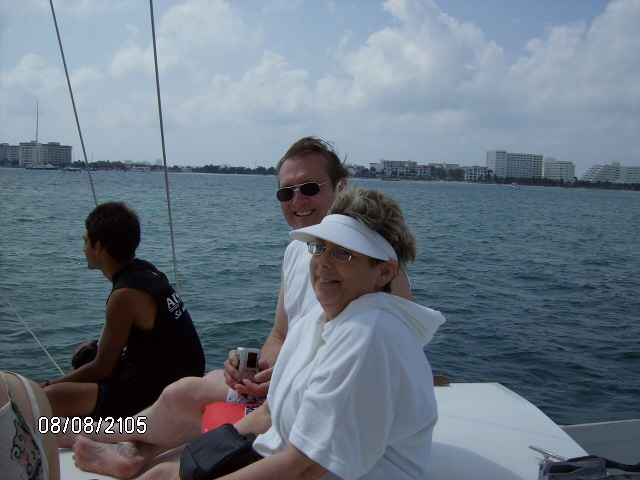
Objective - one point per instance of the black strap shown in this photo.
(609, 463)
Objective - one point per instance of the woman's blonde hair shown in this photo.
(379, 213)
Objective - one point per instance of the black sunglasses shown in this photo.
(308, 189)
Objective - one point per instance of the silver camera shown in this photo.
(248, 361)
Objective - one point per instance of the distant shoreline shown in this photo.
(262, 171)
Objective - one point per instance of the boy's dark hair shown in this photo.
(117, 228)
(307, 145)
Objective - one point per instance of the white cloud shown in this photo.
(30, 82)
(587, 71)
(83, 10)
(419, 64)
(430, 80)
(132, 30)
(190, 37)
(85, 77)
(573, 83)
(213, 26)
(17, 11)
(31, 76)
(272, 91)
(131, 60)
(410, 81)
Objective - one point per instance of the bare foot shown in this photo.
(67, 439)
(120, 460)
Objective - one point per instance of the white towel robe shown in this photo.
(355, 394)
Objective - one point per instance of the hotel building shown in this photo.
(475, 173)
(559, 170)
(514, 165)
(36, 153)
(401, 168)
(9, 153)
(614, 173)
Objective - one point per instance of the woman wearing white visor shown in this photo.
(352, 392)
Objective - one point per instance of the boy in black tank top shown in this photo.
(148, 341)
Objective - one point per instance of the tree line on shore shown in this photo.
(546, 182)
(451, 175)
(457, 175)
(223, 169)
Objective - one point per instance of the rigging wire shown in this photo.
(30, 331)
(86, 161)
(73, 102)
(164, 153)
(95, 199)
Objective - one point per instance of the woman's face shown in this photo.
(336, 283)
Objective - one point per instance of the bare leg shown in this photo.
(178, 408)
(71, 399)
(126, 459)
(162, 471)
(173, 420)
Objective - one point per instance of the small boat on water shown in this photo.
(140, 168)
(40, 166)
(484, 432)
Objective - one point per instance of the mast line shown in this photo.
(75, 111)
(73, 102)
(164, 152)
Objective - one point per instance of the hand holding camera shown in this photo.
(254, 382)
(248, 362)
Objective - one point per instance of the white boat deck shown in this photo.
(618, 441)
(483, 432)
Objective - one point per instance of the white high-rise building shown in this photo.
(34, 153)
(514, 165)
(401, 168)
(29, 153)
(56, 154)
(475, 173)
(629, 174)
(559, 170)
(9, 153)
(614, 173)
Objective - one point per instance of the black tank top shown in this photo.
(172, 349)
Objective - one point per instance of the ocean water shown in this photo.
(540, 286)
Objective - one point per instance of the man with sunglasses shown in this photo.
(309, 175)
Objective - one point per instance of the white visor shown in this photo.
(350, 234)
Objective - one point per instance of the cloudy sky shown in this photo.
(422, 80)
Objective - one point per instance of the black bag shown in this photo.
(591, 467)
(216, 453)
(85, 355)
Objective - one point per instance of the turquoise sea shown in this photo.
(540, 286)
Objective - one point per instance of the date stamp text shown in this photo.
(88, 426)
